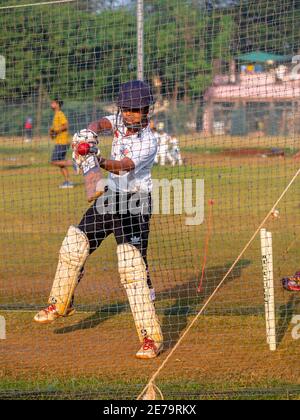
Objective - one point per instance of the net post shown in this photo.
(2, 67)
(269, 292)
(2, 328)
(140, 39)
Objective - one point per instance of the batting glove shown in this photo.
(80, 151)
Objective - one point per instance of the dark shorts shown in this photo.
(59, 152)
(127, 228)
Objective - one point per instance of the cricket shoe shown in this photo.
(66, 185)
(50, 314)
(150, 349)
(292, 284)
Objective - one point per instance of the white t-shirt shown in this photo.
(157, 136)
(164, 143)
(141, 148)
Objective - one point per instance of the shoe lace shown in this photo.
(51, 308)
(149, 344)
(295, 278)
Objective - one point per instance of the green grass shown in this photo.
(217, 150)
(93, 388)
(35, 215)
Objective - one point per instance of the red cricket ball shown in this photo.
(83, 149)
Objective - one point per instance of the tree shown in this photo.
(69, 51)
(184, 44)
(66, 52)
(98, 6)
(268, 25)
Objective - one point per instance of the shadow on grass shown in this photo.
(104, 313)
(286, 313)
(14, 167)
(189, 301)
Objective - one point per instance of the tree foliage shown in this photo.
(268, 25)
(84, 50)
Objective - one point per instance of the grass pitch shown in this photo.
(92, 354)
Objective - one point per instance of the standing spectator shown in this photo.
(163, 152)
(258, 68)
(175, 151)
(60, 134)
(250, 69)
(28, 130)
(280, 73)
(243, 69)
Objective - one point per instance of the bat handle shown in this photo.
(92, 177)
(94, 150)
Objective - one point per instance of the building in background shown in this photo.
(259, 94)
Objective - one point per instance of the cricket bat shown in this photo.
(93, 178)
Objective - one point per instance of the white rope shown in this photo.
(18, 6)
(151, 381)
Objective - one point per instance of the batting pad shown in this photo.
(72, 257)
(133, 275)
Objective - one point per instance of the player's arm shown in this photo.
(138, 159)
(117, 166)
(63, 128)
(114, 166)
(52, 131)
(101, 125)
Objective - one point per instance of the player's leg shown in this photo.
(132, 241)
(179, 159)
(65, 174)
(78, 244)
(72, 256)
(176, 154)
(170, 159)
(58, 159)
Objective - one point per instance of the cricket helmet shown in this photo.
(135, 95)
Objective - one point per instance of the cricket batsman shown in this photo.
(129, 188)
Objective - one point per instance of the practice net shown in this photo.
(227, 87)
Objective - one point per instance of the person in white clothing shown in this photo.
(168, 147)
(163, 155)
(157, 137)
(125, 211)
(175, 151)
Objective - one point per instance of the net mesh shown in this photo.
(228, 90)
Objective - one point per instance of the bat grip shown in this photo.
(94, 150)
